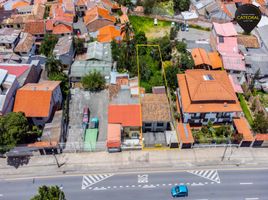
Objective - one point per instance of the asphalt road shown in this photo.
(242, 184)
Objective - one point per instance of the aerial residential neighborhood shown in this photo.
(148, 99)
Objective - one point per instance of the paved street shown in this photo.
(246, 184)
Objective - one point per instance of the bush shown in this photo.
(93, 81)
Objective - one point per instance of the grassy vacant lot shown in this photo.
(146, 25)
(245, 109)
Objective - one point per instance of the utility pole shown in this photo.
(53, 153)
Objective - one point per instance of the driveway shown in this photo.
(98, 106)
(193, 34)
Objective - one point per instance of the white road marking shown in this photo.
(97, 188)
(164, 184)
(148, 186)
(252, 198)
(143, 178)
(90, 180)
(211, 175)
(169, 184)
(1, 195)
(246, 183)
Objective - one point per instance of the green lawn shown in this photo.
(167, 6)
(245, 109)
(146, 25)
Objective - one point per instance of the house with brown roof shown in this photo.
(205, 96)
(97, 18)
(156, 115)
(36, 28)
(39, 101)
(18, 19)
(9, 38)
(26, 45)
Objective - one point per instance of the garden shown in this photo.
(210, 134)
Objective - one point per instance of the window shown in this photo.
(221, 39)
(135, 135)
(160, 124)
(148, 124)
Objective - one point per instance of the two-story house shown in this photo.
(97, 18)
(9, 38)
(64, 51)
(224, 39)
(205, 96)
(26, 45)
(156, 115)
(39, 101)
(8, 87)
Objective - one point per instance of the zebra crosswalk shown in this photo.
(207, 174)
(89, 180)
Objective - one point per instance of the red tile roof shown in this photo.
(207, 91)
(34, 99)
(126, 115)
(35, 27)
(185, 133)
(15, 70)
(62, 29)
(243, 128)
(96, 13)
(109, 33)
(261, 137)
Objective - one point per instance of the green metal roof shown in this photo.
(81, 68)
(90, 139)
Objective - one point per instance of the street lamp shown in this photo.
(61, 188)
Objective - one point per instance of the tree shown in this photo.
(171, 76)
(49, 193)
(48, 44)
(93, 81)
(64, 85)
(186, 61)
(79, 45)
(148, 6)
(181, 5)
(260, 123)
(140, 38)
(53, 66)
(181, 47)
(15, 129)
(165, 47)
(255, 77)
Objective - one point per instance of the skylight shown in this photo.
(208, 77)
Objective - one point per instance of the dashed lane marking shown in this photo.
(148, 186)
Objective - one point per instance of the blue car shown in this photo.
(179, 191)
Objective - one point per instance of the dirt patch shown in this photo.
(157, 32)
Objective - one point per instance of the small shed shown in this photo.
(185, 135)
(172, 139)
(242, 127)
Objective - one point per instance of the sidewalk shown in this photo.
(129, 161)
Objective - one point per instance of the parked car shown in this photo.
(179, 191)
(86, 115)
(183, 27)
(187, 27)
